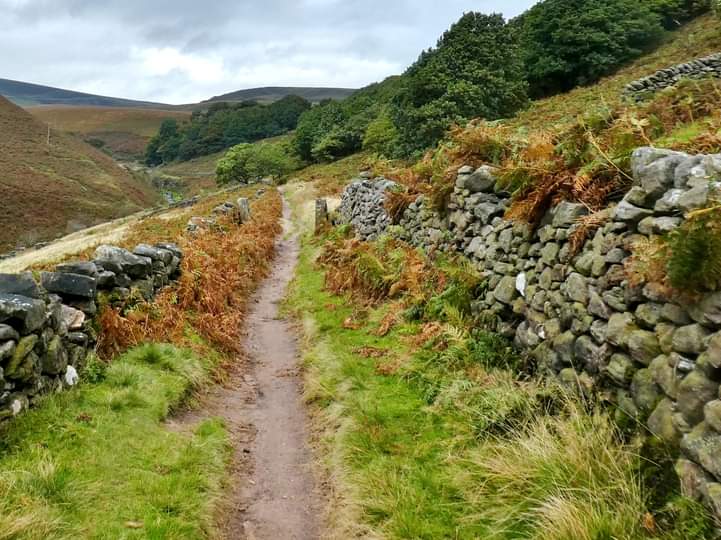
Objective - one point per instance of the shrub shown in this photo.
(249, 162)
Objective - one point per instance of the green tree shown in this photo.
(567, 43)
(247, 163)
(474, 71)
(381, 134)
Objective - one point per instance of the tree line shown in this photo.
(487, 67)
(222, 126)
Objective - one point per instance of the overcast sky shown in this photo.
(182, 51)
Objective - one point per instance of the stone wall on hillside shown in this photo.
(570, 303)
(47, 332)
(708, 66)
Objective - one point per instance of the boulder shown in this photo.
(567, 213)
(72, 318)
(627, 212)
(120, 260)
(481, 180)
(7, 332)
(506, 291)
(661, 422)
(153, 253)
(708, 310)
(55, 359)
(22, 284)
(694, 392)
(69, 284)
(690, 339)
(29, 312)
(84, 268)
(643, 346)
(620, 328)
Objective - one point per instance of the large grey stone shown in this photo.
(7, 332)
(661, 422)
(657, 177)
(708, 310)
(694, 392)
(22, 284)
(703, 445)
(646, 393)
(619, 330)
(690, 339)
(506, 290)
(30, 312)
(643, 346)
(69, 284)
(156, 254)
(481, 180)
(85, 268)
(567, 213)
(577, 288)
(120, 260)
(627, 212)
(621, 369)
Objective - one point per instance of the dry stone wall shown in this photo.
(655, 356)
(47, 332)
(708, 66)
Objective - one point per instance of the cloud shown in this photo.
(180, 51)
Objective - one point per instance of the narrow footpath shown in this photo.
(272, 493)
(278, 492)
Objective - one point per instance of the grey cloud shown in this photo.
(214, 46)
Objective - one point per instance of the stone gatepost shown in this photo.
(243, 210)
(321, 214)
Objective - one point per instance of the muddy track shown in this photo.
(272, 494)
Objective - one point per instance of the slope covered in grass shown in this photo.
(109, 467)
(52, 189)
(124, 132)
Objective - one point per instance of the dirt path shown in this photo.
(273, 493)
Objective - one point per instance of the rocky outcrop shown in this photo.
(708, 66)
(47, 332)
(573, 308)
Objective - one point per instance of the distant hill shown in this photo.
(51, 189)
(124, 132)
(28, 94)
(270, 94)
(31, 95)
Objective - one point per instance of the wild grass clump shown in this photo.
(559, 477)
(219, 271)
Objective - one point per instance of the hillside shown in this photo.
(123, 132)
(274, 93)
(63, 187)
(28, 94)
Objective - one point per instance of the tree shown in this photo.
(248, 163)
(474, 71)
(567, 43)
(673, 13)
(381, 134)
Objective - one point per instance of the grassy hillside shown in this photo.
(57, 188)
(274, 93)
(28, 94)
(123, 132)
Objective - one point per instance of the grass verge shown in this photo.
(426, 433)
(98, 461)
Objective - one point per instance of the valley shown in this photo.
(479, 299)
